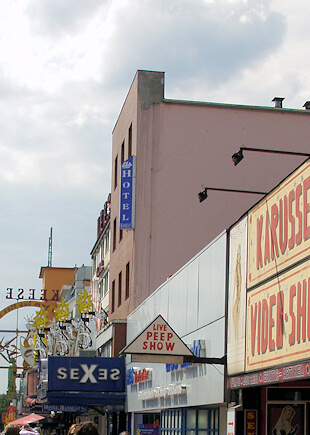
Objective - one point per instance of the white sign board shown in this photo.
(231, 423)
(158, 339)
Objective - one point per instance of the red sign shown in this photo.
(272, 376)
(142, 375)
(250, 422)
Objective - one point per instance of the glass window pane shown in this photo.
(180, 420)
(216, 419)
(163, 417)
(203, 419)
(212, 419)
(172, 419)
(190, 432)
(191, 419)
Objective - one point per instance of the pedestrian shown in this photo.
(84, 428)
(11, 429)
(27, 430)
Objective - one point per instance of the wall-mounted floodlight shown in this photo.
(238, 156)
(204, 193)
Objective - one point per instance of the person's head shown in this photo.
(26, 426)
(85, 428)
(12, 429)
(124, 433)
(72, 429)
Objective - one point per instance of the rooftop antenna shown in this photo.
(50, 249)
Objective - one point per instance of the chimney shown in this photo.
(307, 105)
(278, 102)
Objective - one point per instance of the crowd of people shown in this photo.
(84, 428)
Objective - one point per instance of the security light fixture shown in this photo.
(204, 193)
(238, 156)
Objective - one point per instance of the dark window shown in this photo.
(113, 296)
(130, 141)
(115, 172)
(119, 288)
(123, 152)
(114, 234)
(127, 281)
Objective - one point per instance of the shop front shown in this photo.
(171, 397)
(90, 388)
(268, 344)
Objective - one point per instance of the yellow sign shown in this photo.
(278, 320)
(279, 228)
(22, 305)
(62, 312)
(84, 303)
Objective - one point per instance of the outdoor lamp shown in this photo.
(238, 156)
(204, 193)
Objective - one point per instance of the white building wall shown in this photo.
(193, 304)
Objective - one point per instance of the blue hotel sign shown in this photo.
(127, 199)
(86, 374)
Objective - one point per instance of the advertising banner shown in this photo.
(127, 194)
(237, 297)
(278, 320)
(86, 374)
(286, 419)
(279, 228)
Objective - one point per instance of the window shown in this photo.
(113, 297)
(123, 152)
(106, 284)
(202, 421)
(115, 172)
(130, 141)
(120, 234)
(100, 290)
(171, 422)
(114, 234)
(127, 281)
(119, 288)
(106, 350)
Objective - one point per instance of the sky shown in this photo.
(65, 70)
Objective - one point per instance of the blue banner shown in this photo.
(86, 374)
(127, 196)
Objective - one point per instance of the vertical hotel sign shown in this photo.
(127, 196)
(278, 284)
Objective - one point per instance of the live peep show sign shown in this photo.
(86, 374)
(127, 197)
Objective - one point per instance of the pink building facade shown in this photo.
(178, 146)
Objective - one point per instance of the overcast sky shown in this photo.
(65, 69)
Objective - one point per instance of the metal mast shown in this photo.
(50, 249)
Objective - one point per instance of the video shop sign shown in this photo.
(86, 374)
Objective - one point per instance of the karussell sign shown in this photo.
(278, 284)
(279, 228)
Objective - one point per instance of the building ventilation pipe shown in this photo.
(278, 102)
